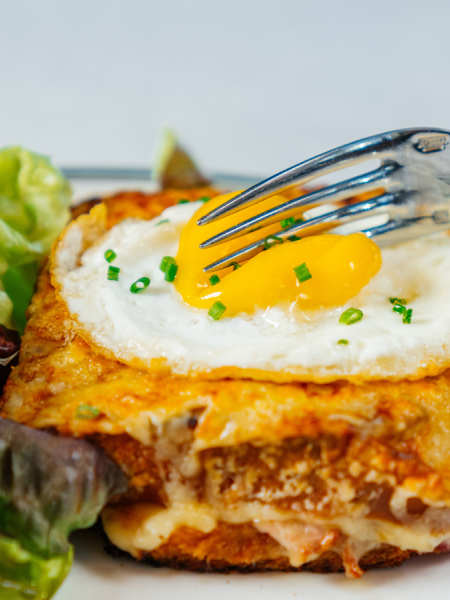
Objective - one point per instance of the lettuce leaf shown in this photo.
(49, 486)
(27, 576)
(34, 208)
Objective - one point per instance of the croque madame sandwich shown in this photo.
(277, 415)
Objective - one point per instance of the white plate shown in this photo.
(97, 576)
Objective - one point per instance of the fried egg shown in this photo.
(275, 326)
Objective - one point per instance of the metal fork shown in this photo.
(414, 175)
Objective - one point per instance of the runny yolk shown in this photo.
(340, 266)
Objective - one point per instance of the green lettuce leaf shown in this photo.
(49, 486)
(34, 208)
(27, 576)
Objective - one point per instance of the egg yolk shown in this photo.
(340, 266)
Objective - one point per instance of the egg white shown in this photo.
(158, 324)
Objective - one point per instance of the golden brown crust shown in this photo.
(138, 462)
(242, 549)
(139, 205)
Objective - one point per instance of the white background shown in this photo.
(251, 86)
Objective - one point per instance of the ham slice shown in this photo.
(303, 542)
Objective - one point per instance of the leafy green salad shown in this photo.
(34, 208)
(49, 486)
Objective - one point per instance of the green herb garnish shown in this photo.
(287, 222)
(167, 260)
(162, 222)
(407, 315)
(399, 308)
(85, 411)
(171, 271)
(113, 273)
(397, 301)
(214, 279)
(343, 342)
(294, 238)
(140, 285)
(236, 265)
(183, 201)
(110, 255)
(204, 199)
(272, 240)
(217, 310)
(302, 273)
(350, 316)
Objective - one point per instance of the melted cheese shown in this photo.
(144, 527)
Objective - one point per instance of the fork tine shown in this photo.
(333, 193)
(401, 230)
(345, 214)
(379, 146)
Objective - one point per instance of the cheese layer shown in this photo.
(144, 527)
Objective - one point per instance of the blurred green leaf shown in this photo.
(18, 283)
(34, 208)
(27, 576)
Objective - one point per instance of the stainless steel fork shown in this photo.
(414, 175)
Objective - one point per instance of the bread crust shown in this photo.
(245, 551)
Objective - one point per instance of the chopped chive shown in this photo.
(217, 310)
(214, 279)
(300, 220)
(167, 260)
(204, 199)
(113, 273)
(350, 316)
(140, 285)
(85, 411)
(236, 265)
(171, 271)
(286, 222)
(110, 255)
(343, 342)
(162, 222)
(183, 201)
(397, 301)
(399, 308)
(302, 273)
(407, 316)
(272, 240)
(294, 238)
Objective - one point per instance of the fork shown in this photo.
(414, 175)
